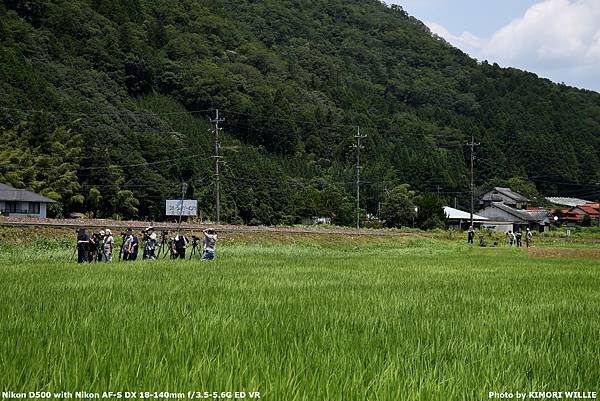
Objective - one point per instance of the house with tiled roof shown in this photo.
(22, 203)
(568, 217)
(505, 196)
(517, 219)
(590, 209)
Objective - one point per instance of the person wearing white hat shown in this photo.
(150, 241)
(528, 237)
(109, 244)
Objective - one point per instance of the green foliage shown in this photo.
(329, 201)
(293, 79)
(399, 207)
(431, 213)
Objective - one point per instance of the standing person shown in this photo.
(528, 237)
(127, 245)
(83, 246)
(150, 242)
(100, 245)
(209, 244)
(519, 238)
(108, 246)
(134, 248)
(470, 235)
(512, 238)
(180, 244)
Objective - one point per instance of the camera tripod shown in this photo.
(194, 246)
(163, 248)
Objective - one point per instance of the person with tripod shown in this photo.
(209, 244)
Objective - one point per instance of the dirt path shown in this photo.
(569, 253)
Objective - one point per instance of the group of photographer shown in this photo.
(97, 248)
(512, 238)
(100, 246)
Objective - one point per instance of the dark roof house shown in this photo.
(536, 219)
(505, 196)
(19, 202)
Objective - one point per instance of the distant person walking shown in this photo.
(209, 244)
(528, 237)
(470, 235)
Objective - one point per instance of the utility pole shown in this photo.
(218, 159)
(358, 148)
(184, 187)
(472, 145)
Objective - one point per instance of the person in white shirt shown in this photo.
(109, 244)
(209, 244)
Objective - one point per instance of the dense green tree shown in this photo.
(399, 207)
(431, 213)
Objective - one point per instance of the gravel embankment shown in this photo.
(140, 225)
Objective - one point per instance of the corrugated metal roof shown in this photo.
(10, 194)
(567, 201)
(455, 214)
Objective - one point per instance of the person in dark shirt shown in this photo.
(135, 242)
(83, 246)
(519, 238)
(130, 246)
(180, 244)
(470, 235)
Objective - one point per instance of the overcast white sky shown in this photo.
(556, 39)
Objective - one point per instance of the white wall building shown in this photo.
(21, 203)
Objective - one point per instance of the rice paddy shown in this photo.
(303, 318)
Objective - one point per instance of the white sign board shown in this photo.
(183, 208)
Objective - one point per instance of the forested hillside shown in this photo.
(105, 106)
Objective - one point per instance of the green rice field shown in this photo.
(302, 318)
